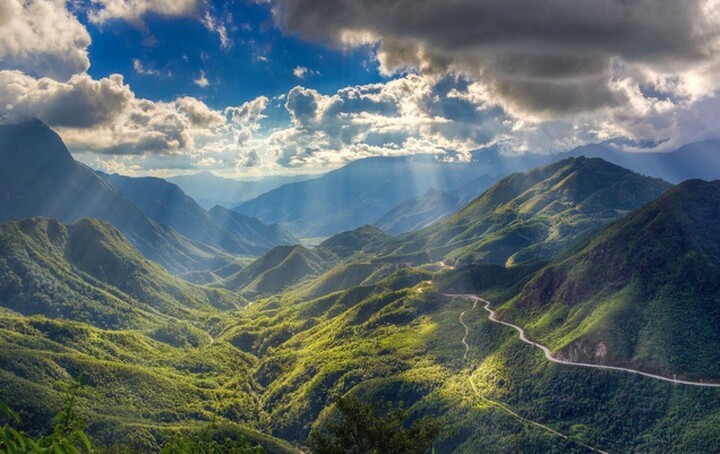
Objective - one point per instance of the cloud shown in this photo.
(198, 112)
(202, 81)
(80, 102)
(249, 113)
(105, 117)
(43, 39)
(140, 69)
(219, 27)
(132, 11)
(302, 72)
(246, 118)
(399, 117)
(541, 60)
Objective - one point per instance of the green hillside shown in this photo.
(531, 216)
(87, 271)
(276, 270)
(345, 244)
(401, 340)
(643, 293)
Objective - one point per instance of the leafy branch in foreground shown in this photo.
(67, 437)
(379, 428)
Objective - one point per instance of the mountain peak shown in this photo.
(644, 287)
(30, 143)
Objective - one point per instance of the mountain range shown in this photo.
(391, 192)
(167, 204)
(209, 189)
(39, 177)
(531, 216)
(602, 265)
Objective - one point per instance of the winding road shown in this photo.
(503, 407)
(492, 317)
(467, 331)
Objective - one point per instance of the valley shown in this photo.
(601, 336)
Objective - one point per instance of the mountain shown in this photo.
(39, 177)
(264, 235)
(87, 271)
(416, 213)
(167, 204)
(345, 244)
(356, 194)
(209, 189)
(643, 293)
(276, 270)
(698, 160)
(531, 216)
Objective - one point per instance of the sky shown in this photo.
(261, 87)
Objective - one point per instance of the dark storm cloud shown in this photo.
(552, 56)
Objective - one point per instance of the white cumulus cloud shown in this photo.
(42, 38)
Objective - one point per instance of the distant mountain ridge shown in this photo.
(167, 204)
(356, 194)
(209, 189)
(252, 229)
(418, 212)
(697, 160)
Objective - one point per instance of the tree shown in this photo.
(380, 428)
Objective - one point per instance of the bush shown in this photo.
(373, 428)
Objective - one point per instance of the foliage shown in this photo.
(361, 427)
(205, 443)
(67, 436)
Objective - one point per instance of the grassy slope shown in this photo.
(277, 367)
(138, 390)
(280, 268)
